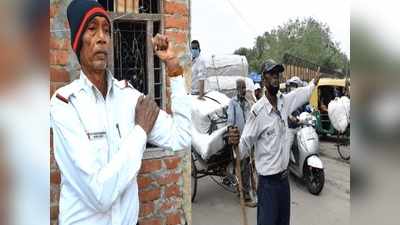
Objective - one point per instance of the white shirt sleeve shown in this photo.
(249, 135)
(172, 132)
(97, 186)
(231, 114)
(202, 69)
(298, 97)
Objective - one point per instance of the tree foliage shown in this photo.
(308, 39)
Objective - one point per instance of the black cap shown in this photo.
(271, 66)
(80, 13)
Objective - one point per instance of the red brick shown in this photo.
(53, 165)
(51, 142)
(151, 195)
(168, 205)
(175, 8)
(180, 22)
(59, 74)
(144, 181)
(53, 10)
(146, 209)
(59, 57)
(178, 37)
(54, 193)
(172, 163)
(169, 179)
(59, 44)
(172, 190)
(53, 212)
(55, 177)
(154, 221)
(150, 165)
(179, 49)
(173, 219)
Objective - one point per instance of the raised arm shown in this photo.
(172, 131)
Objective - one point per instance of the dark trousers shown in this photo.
(273, 196)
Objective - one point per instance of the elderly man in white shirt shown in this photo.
(267, 129)
(101, 126)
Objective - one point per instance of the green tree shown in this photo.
(308, 39)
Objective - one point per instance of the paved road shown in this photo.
(215, 206)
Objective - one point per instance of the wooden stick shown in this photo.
(239, 176)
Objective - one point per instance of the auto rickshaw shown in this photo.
(326, 90)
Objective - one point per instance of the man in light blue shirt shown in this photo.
(267, 130)
(238, 110)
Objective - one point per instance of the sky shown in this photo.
(222, 26)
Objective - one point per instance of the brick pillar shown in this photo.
(177, 28)
(161, 190)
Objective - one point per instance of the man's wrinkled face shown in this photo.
(96, 43)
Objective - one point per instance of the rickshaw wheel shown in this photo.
(193, 181)
(342, 141)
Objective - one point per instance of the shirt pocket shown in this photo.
(270, 133)
(269, 137)
(98, 141)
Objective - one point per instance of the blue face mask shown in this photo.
(195, 53)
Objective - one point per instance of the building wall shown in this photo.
(164, 179)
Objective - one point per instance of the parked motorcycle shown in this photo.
(304, 157)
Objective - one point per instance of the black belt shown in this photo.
(279, 176)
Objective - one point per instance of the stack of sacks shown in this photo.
(224, 70)
(339, 113)
(203, 112)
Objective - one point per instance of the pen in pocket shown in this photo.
(119, 132)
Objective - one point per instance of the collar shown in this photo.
(279, 104)
(88, 86)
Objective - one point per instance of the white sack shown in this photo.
(211, 108)
(339, 113)
(226, 84)
(226, 65)
(207, 145)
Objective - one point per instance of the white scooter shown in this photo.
(304, 159)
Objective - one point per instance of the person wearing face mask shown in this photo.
(198, 70)
(267, 129)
